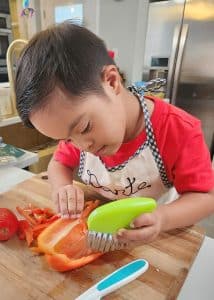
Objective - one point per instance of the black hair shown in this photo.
(65, 54)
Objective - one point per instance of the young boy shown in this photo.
(123, 144)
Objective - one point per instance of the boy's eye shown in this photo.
(87, 128)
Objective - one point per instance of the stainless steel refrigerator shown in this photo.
(180, 48)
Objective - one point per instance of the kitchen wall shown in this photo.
(123, 24)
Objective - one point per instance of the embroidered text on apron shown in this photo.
(143, 174)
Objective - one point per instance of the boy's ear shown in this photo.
(112, 78)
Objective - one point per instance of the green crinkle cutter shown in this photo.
(107, 219)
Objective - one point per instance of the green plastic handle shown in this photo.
(110, 217)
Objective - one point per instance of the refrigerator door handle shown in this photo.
(183, 39)
(175, 43)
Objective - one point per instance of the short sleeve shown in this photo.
(67, 154)
(192, 171)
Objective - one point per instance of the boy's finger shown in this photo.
(55, 199)
(80, 201)
(63, 203)
(72, 202)
(146, 219)
(144, 234)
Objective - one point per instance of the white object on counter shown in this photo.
(10, 176)
(6, 108)
(9, 121)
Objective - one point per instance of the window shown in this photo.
(74, 12)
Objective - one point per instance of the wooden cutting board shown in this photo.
(26, 276)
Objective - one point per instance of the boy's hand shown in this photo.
(69, 201)
(145, 228)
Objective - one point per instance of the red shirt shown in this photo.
(181, 144)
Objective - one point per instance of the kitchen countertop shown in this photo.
(199, 282)
(11, 176)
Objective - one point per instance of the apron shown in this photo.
(143, 174)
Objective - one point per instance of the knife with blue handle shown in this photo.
(115, 280)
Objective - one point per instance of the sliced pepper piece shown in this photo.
(61, 263)
(25, 232)
(63, 241)
(54, 233)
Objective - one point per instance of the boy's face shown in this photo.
(94, 123)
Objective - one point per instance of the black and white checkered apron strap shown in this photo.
(151, 138)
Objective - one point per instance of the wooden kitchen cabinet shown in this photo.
(22, 137)
(32, 140)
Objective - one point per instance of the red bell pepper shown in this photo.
(63, 241)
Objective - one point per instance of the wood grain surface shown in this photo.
(26, 276)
